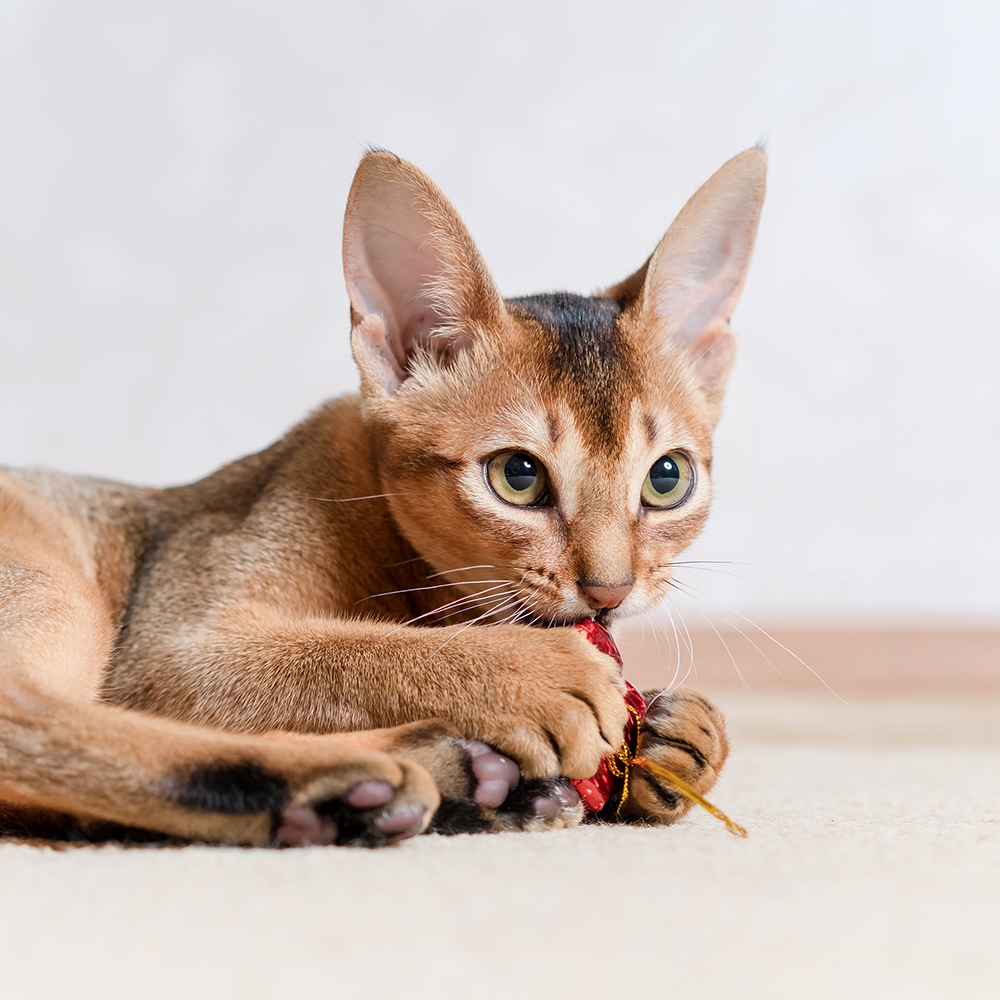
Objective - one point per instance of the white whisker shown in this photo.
(780, 645)
(457, 603)
(413, 590)
(461, 569)
(725, 645)
(373, 496)
(695, 563)
(485, 614)
(688, 644)
(683, 587)
(468, 599)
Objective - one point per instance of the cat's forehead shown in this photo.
(591, 365)
(579, 324)
(594, 366)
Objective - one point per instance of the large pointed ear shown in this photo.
(686, 292)
(414, 276)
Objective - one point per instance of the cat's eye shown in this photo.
(668, 482)
(517, 478)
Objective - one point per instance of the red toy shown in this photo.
(612, 775)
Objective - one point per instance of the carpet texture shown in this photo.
(872, 869)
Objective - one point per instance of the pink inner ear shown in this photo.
(713, 353)
(375, 356)
(399, 268)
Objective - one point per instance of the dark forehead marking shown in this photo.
(588, 357)
(580, 322)
(553, 427)
(651, 428)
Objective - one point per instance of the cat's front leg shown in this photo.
(544, 697)
(685, 733)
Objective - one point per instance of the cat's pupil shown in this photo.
(520, 472)
(664, 475)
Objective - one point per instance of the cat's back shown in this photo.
(60, 523)
(306, 515)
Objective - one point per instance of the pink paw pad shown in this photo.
(301, 826)
(369, 794)
(402, 822)
(547, 807)
(496, 775)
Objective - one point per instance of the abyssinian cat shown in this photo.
(354, 635)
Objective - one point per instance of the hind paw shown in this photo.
(370, 814)
(501, 800)
(482, 790)
(303, 790)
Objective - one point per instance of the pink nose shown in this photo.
(605, 597)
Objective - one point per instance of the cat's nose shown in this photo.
(600, 596)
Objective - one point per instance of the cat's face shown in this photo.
(549, 454)
(552, 460)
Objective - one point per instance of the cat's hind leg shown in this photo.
(70, 762)
(102, 765)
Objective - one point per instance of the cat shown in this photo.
(355, 635)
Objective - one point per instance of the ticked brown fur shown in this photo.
(308, 635)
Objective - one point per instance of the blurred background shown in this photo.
(172, 183)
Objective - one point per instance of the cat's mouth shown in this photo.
(538, 622)
(523, 610)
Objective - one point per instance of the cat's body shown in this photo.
(373, 578)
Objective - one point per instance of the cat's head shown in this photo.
(550, 453)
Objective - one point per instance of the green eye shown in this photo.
(517, 477)
(668, 482)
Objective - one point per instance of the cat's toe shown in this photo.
(540, 804)
(554, 800)
(534, 804)
(481, 789)
(301, 826)
(495, 776)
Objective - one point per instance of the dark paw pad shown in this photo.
(538, 799)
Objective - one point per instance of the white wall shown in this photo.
(172, 178)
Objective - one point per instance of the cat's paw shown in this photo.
(685, 733)
(501, 800)
(481, 789)
(290, 790)
(544, 697)
(371, 813)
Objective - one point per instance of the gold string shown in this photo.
(620, 764)
(625, 755)
(686, 790)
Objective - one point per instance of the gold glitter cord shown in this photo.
(688, 792)
(621, 762)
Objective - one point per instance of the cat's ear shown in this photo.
(414, 277)
(686, 292)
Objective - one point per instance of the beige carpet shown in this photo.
(872, 869)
